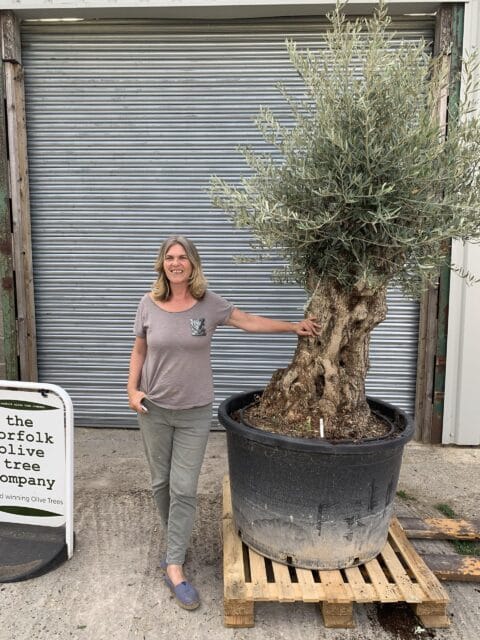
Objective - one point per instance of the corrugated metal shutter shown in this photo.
(126, 123)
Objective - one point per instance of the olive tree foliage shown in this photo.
(363, 187)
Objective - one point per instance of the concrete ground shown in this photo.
(111, 588)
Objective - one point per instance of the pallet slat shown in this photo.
(336, 590)
(311, 591)
(362, 591)
(288, 591)
(409, 590)
(385, 590)
(427, 580)
(261, 588)
(237, 602)
(440, 528)
(454, 567)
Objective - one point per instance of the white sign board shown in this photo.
(36, 456)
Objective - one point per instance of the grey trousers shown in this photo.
(175, 441)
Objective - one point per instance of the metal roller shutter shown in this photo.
(126, 123)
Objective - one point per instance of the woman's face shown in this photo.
(176, 265)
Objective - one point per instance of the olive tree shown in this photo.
(359, 190)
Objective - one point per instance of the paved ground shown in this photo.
(111, 589)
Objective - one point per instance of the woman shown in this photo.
(170, 387)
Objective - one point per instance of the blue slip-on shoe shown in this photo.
(185, 594)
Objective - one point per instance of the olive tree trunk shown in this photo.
(326, 378)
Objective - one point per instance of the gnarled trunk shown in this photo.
(326, 378)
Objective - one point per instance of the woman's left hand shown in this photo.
(307, 327)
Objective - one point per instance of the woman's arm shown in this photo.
(259, 324)
(137, 359)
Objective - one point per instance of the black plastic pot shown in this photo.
(312, 503)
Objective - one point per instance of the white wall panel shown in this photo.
(461, 423)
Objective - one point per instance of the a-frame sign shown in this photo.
(36, 478)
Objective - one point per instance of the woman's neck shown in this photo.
(180, 301)
(180, 293)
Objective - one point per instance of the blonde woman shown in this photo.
(170, 387)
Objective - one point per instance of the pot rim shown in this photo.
(268, 438)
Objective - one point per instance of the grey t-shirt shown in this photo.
(177, 372)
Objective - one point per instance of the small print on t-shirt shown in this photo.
(197, 327)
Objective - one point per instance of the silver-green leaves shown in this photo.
(363, 185)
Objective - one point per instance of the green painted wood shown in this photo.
(8, 338)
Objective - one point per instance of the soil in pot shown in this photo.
(309, 427)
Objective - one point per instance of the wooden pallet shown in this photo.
(398, 574)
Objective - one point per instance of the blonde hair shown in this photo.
(197, 283)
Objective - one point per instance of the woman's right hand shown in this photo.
(135, 401)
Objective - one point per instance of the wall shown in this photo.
(461, 417)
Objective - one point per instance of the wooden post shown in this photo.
(434, 304)
(458, 11)
(19, 196)
(427, 341)
(11, 50)
(8, 327)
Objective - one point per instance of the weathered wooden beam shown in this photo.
(428, 324)
(453, 567)
(20, 201)
(10, 37)
(456, 49)
(427, 342)
(440, 528)
(433, 326)
(22, 240)
(8, 323)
